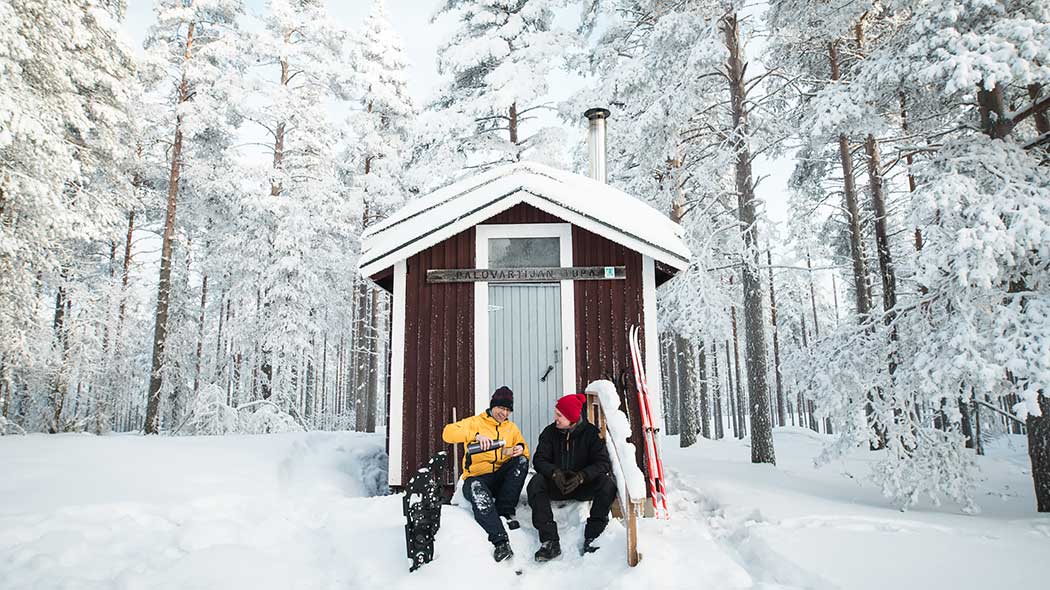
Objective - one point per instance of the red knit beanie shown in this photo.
(571, 405)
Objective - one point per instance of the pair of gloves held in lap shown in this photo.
(567, 481)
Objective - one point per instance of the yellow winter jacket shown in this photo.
(464, 432)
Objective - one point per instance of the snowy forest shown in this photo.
(180, 225)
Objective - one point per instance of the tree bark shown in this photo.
(1039, 453)
(674, 382)
(125, 275)
(705, 406)
(860, 271)
(802, 404)
(160, 329)
(758, 390)
(372, 397)
(512, 125)
(781, 405)
(687, 385)
(60, 379)
(717, 384)
(734, 417)
(994, 122)
(740, 430)
(200, 337)
(360, 358)
(912, 184)
(1042, 120)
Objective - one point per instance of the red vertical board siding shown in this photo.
(523, 213)
(439, 349)
(439, 332)
(604, 312)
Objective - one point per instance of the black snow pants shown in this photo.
(496, 494)
(601, 491)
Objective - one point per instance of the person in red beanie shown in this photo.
(571, 463)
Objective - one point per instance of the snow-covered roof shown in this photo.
(582, 201)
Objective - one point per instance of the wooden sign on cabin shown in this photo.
(464, 323)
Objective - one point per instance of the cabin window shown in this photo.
(524, 252)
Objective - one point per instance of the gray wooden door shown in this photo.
(525, 351)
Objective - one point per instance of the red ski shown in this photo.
(652, 450)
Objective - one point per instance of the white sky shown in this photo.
(421, 38)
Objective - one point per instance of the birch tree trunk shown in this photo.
(372, 397)
(60, 378)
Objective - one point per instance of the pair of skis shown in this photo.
(657, 488)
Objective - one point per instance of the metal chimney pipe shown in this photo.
(596, 143)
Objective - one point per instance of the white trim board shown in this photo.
(397, 374)
(562, 231)
(509, 200)
(652, 339)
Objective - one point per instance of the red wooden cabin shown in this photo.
(587, 260)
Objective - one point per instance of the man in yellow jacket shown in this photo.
(493, 478)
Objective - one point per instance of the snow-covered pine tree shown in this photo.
(63, 138)
(194, 46)
(496, 69)
(374, 168)
(976, 167)
(294, 267)
(665, 66)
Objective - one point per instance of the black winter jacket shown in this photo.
(578, 449)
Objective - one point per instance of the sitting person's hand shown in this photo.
(558, 477)
(572, 481)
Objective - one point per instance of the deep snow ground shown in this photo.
(295, 511)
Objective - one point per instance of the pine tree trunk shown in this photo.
(319, 400)
(801, 404)
(908, 159)
(1039, 453)
(734, 421)
(160, 328)
(856, 245)
(719, 420)
(813, 298)
(758, 389)
(512, 126)
(200, 337)
(674, 382)
(781, 405)
(860, 271)
(995, 122)
(740, 429)
(687, 385)
(705, 406)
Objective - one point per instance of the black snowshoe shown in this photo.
(422, 508)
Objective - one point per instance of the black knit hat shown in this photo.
(503, 397)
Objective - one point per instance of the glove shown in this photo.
(572, 481)
(559, 479)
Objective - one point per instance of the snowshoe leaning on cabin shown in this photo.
(493, 477)
(571, 464)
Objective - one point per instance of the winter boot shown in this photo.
(588, 547)
(503, 551)
(512, 523)
(548, 551)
